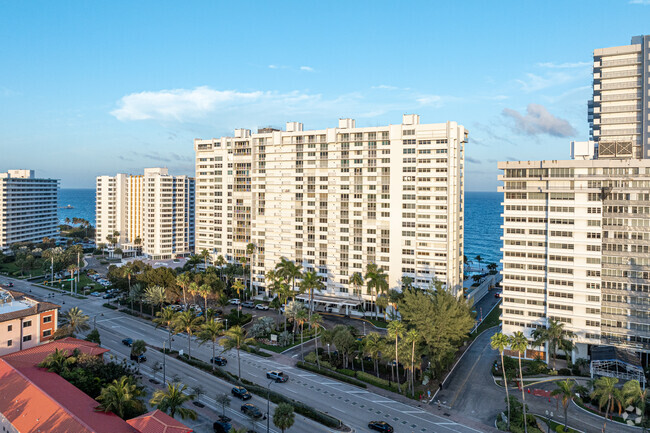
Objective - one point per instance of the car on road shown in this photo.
(138, 358)
(248, 304)
(95, 294)
(251, 410)
(9, 284)
(381, 426)
(222, 424)
(498, 295)
(278, 376)
(219, 360)
(241, 392)
(234, 302)
(261, 307)
(128, 342)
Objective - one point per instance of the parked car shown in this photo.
(222, 424)
(9, 284)
(128, 342)
(251, 410)
(241, 392)
(248, 304)
(234, 302)
(381, 426)
(138, 358)
(95, 294)
(107, 296)
(219, 360)
(261, 307)
(278, 376)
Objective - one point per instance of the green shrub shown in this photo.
(107, 305)
(564, 372)
(330, 373)
(347, 372)
(377, 381)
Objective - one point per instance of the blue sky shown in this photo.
(89, 88)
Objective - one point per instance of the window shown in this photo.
(10, 327)
(10, 343)
(27, 323)
(27, 338)
(47, 333)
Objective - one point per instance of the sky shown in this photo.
(97, 88)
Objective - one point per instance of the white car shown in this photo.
(261, 307)
(234, 302)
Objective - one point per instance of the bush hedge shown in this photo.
(377, 381)
(331, 373)
(107, 305)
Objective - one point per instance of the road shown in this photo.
(353, 405)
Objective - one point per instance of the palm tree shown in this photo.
(205, 290)
(374, 346)
(238, 287)
(72, 269)
(499, 342)
(272, 283)
(155, 296)
(172, 399)
(136, 293)
(377, 282)
(120, 397)
(556, 336)
(396, 330)
(382, 304)
(289, 271)
(205, 255)
(478, 258)
(193, 261)
(310, 282)
(250, 251)
(315, 322)
(235, 338)
(128, 270)
(412, 337)
(634, 395)
(566, 394)
(519, 343)
(356, 280)
(184, 280)
(57, 361)
(301, 318)
(608, 395)
(165, 317)
(193, 289)
(139, 347)
(283, 417)
(220, 261)
(74, 321)
(186, 321)
(210, 331)
(284, 293)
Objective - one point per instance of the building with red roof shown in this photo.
(158, 422)
(34, 400)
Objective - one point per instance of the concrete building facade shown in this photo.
(28, 207)
(152, 213)
(337, 199)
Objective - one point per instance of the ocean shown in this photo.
(482, 219)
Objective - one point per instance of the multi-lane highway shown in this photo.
(354, 406)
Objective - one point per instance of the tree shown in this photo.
(250, 251)
(155, 296)
(315, 322)
(223, 399)
(300, 319)
(165, 317)
(519, 344)
(57, 361)
(210, 332)
(479, 259)
(172, 399)
(283, 417)
(382, 304)
(136, 293)
(184, 280)
(289, 271)
(205, 255)
(198, 391)
(492, 267)
(374, 345)
(413, 338)
(377, 282)
(565, 393)
(186, 321)
(634, 395)
(310, 282)
(608, 395)
(72, 269)
(235, 338)
(396, 330)
(556, 336)
(121, 398)
(205, 291)
(93, 337)
(500, 342)
(74, 321)
(138, 348)
(356, 280)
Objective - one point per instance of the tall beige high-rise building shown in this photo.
(152, 213)
(335, 200)
(28, 207)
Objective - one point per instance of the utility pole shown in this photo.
(78, 271)
(164, 357)
(52, 271)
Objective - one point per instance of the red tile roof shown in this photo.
(158, 422)
(35, 355)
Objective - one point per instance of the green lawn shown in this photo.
(492, 319)
(83, 281)
(379, 323)
(554, 426)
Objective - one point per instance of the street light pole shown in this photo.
(549, 417)
(164, 377)
(268, 407)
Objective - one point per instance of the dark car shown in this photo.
(128, 342)
(222, 424)
(10, 284)
(380, 426)
(138, 358)
(241, 392)
(248, 304)
(278, 376)
(219, 360)
(251, 410)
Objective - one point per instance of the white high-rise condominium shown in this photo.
(335, 200)
(28, 207)
(619, 114)
(153, 212)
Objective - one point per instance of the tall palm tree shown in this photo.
(165, 317)
(566, 394)
(193, 289)
(235, 338)
(556, 336)
(172, 399)
(121, 397)
(205, 255)
(210, 332)
(412, 337)
(72, 269)
(382, 304)
(634, 395)
(272, 283)
(183, 281)
(500, 342)
(310, 282)
(608, 395)
(205, 290)
(289, 271)
(315, 322)
(283, 417)
(301, 318)
(57, 361)
(519, 343)
(396, 330)
(377, 282)
(219, 262)
(187, 322)
(479, 259)
(250, 251)
(74, 321)
(139, 347)
(136, 292)
(374, 346)
(356, 280)
(155, 296)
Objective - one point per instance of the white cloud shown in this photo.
(434, 100)
(385, 87)
(307, 68)
(273, 66)
(640, 2)
(539, 121)
(552, 65)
